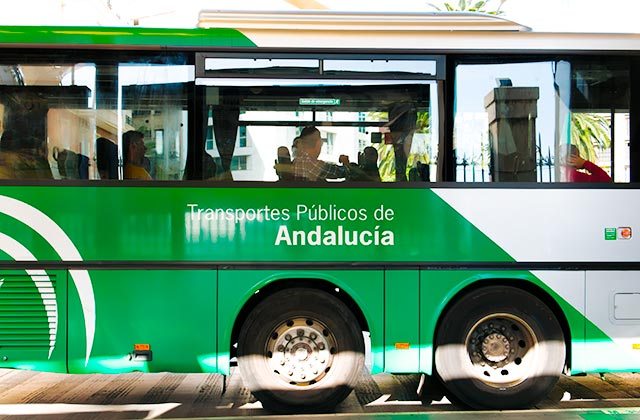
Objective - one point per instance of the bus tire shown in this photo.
(300, 349)
(499, 347)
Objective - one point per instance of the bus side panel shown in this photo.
(402, 303)
(365, 287)
(613, 305)
(171, 311)
(437, 288)
(33, 319)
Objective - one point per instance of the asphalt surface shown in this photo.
(38, 395)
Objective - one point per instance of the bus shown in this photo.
(152, 217)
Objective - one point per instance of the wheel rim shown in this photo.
(300, 351)
(502, 350)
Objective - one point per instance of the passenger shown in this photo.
(209, 168)
(419, 173)
(24, 160)
(107, 158)
(294, 147)
(306, 165)
(146, 164)
(6, 157)
(367, 167)
(284, 168)
(283, 155)
(133, 153)
(6, 170)
(369, 164)
(581, 170)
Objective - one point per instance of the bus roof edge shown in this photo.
(323, 20)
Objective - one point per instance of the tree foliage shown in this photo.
(590, 131)
(419, 150)
(480, 6)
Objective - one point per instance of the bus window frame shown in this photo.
(522, 57)
(114, 58)
(202, 73)
(204, 78)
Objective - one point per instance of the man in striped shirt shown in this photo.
(307, 166)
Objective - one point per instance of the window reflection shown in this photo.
(154, 102)
(47, 115)
(67, 120)
(515, 121)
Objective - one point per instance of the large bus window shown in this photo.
(251, 126)
(154, 111)
(540, 121)
(67, 120)
(47, 121)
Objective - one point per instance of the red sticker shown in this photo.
(624, 233)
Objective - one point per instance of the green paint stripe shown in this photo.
(123, 36)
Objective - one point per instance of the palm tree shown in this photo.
(422, 122)
(479, 6)
(590, 131)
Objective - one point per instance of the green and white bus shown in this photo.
(471, 258)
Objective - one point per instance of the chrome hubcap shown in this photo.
(501, 349)
(495, 347)
(301, 350)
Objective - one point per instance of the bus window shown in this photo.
(505, 119)
(600, 115)
(66, 120)
(155, 104)
(515, 121)
(47, 120)
(248, 122)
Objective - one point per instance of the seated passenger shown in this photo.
(209, 168)
(133, 153)
(107, 158)
(24, 159)
(283, 166)
(6, 171)
(294, 147)
(367, 167)
(581, 170)
(369, 164)
(419, 173)
(307, 166)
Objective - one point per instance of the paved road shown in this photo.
(167, 395)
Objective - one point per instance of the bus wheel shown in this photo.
(499, 347)
(300, 349)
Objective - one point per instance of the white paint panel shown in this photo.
(424, 31)
(626, 306)
(602, 287)
(570, 285)
(552, 225)
(440, 40)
